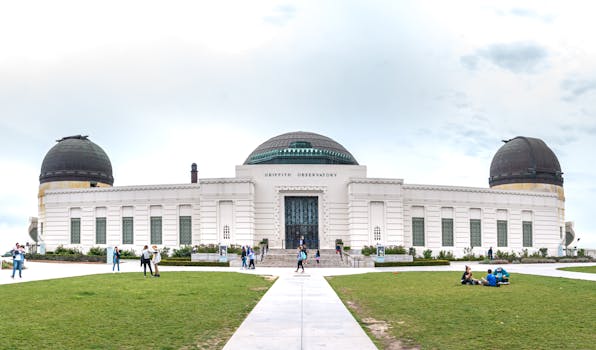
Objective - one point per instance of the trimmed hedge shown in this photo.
(495, 262)
(193, 263)
(412, 263)
(537, 261)
(69, 257)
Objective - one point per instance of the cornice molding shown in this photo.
(477, 190)
(377, 181)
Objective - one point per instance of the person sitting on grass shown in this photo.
(466, 278)
(491, 280)
(501, 275)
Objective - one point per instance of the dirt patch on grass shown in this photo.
(381, 331)
(257, 289)
(270, 278)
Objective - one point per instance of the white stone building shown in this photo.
(303, 184)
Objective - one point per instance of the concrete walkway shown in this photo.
(300, 311)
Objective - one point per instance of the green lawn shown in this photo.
(180, 310)
(586, 269)
(432, 310)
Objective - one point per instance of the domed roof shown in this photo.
(300, 148)
(525, 160)
(75, 158)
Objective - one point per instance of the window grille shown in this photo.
(226, 232)
(377, 233)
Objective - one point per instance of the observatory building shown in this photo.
(302, 184)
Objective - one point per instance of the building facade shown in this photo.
(307, 185)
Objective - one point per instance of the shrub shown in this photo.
(346, 248)
(236, 249)
(445, 255)
(128, 254)
(60, 250)
(97, 251)
(395, 249)
(165, 252)
(427, 254)
(412, 263)
(505, 256)
(581, 252)
(183, 251)
(543, 252)
(368, 250)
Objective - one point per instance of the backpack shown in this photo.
(302, 256)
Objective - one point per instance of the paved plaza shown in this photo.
(300, 310)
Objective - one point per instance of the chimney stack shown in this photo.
(193, 173)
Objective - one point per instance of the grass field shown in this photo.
(433, 311)
(180, 310)
(586, 269)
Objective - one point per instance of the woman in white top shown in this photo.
(146, 260)
(156, 260)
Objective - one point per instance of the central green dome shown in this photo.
(300, 148)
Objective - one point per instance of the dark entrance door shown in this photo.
(302, 220)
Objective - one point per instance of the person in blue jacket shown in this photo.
(501, 275)
(18, 259)
(491, 280)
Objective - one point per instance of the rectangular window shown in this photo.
(447, 229)
(156, 230)
(185, 230)
(501, 233)
(75, 230)
(527, 228)
(100, 230)
(127, 230)
(418, 231)
(475, 233)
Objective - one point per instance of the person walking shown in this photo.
(146, 260)
(116, 259)
(251, 258)
(317, 256)
(301, 257)
(18, 259)
(156, 260)
(243, 256)
(490, 253)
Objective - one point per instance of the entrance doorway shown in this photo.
(302, 220)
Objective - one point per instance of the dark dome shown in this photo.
(525, 160)
(300, 148)
(75, 158)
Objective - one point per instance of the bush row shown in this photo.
(66, 257)
(193, 263)
(422, 262)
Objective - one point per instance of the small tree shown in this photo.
(427, 254)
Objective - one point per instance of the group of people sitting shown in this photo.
(493, 278)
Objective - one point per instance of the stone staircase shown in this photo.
(287, 258)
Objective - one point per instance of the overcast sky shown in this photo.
(419, 90)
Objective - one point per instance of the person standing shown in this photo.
(116, 259)
(490, 253)
(146, 260)
(156, 260)
(18, 259)
(317, 256)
